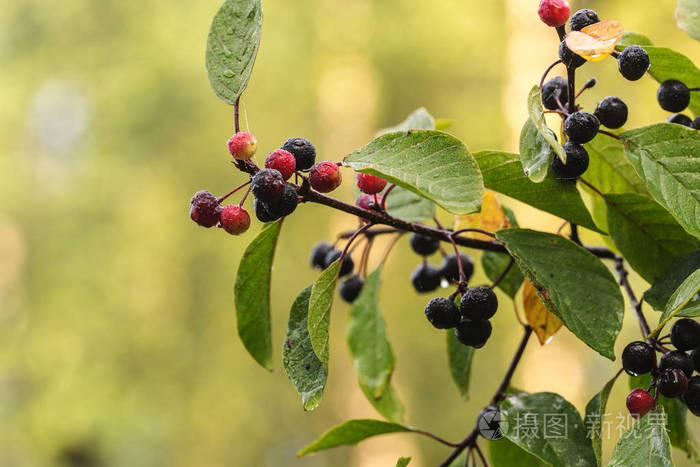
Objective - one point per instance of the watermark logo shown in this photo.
(490, 424)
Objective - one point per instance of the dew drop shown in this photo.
(229, 31)
(228, 73)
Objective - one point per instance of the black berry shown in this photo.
(568, 58)
(318, 255)
(553, 89)
(205, 209)
(680, 119)
(426, 278)
(581, 127)
(303, 151)
(262, 211)
(286, 204)
(612, 112)
(695, 358)
(450, 269)
(473, 333)
(691, 398)
(685, 334)
(268, 185)
(696, 124)
(673, 95)
(576, 162)
(346, 267)
(442, 313)
(423, 244)
(583, 18)
(672, 382)
(351, 288)
(478, 304)
(677, 359)
(633, 62)
(638, 358)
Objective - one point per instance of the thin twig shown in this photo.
(607, 133)
(546, 72)
(436, 438)
(503, 273)
(636, 304)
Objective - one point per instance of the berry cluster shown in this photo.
(674, 96)
(673, 377)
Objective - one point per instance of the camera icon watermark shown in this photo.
(490, 424)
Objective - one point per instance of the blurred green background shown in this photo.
(117, 331)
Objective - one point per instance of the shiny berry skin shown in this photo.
(677, 359)
(576, 162)
(370, 184)
(318, 255)
(286, 205)
(554, 12)
(242, 146)
(581, 127)
(639, 402)
(685, 334)
(442, 313)
(673, 95)
(553, 89)
(426, 278)
(325, 176)
(695, 358)
(282, 161)
(350, 288)
(478, 304)
(267, 185)
(234, 219)
(346, 267)
(680, 119)
(303, 151)
(638, 358)
(473, 333)
(205, 209)
(450, 269)
(262, 212)
(695, 124)
(583, 18)
(672, 382)
(633, 62)
(691, 398)
(423, 244)
(569, 58)
(612, 112)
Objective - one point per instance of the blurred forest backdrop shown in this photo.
(117, 331)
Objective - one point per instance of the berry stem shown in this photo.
(244, 197)
(462, 276)
(607, 133)
(357, 233)
(481, 455)
(574, 234)
(481, 231)
(546, 72)
(386, 194)
(693, 89)
(636, 304)
(236, 114)
(219, 200)
(436, 438)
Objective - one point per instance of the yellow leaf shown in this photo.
(596, 41)
(491, 218)
(544, 323)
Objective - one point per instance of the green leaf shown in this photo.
(530, 425)
(505, 453)
(252, 294)
(595, 415)
(460, 358)
(646, 443)
(609, 170)
(535, 153)
(633, 38)
(409, 206)
(403, 461)
(352, 432)
(369, 347)
(301, 364)
(688, 17)
(320, 303)
(666, 157)
(536, 113)
(676, 306)
(419, 119)
(232, 44)
(649, 238)
(658, 295)
(389, 405)
(431, 164)
(494, 264)
(502, 172)
(594, 312)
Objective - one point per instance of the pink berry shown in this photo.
(368, 202)
(234, 219)
(639, 402)
(282, 161)
(370, 184)
(554, 13)
(242, 146)
(205, 209)
(325, 176)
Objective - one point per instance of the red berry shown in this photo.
(368, 202)
(370, 184)
(205, 209)
(325, 176)
(283, 161)
(242, 146)
(234, 219)
(639, 402)
(554, 13)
